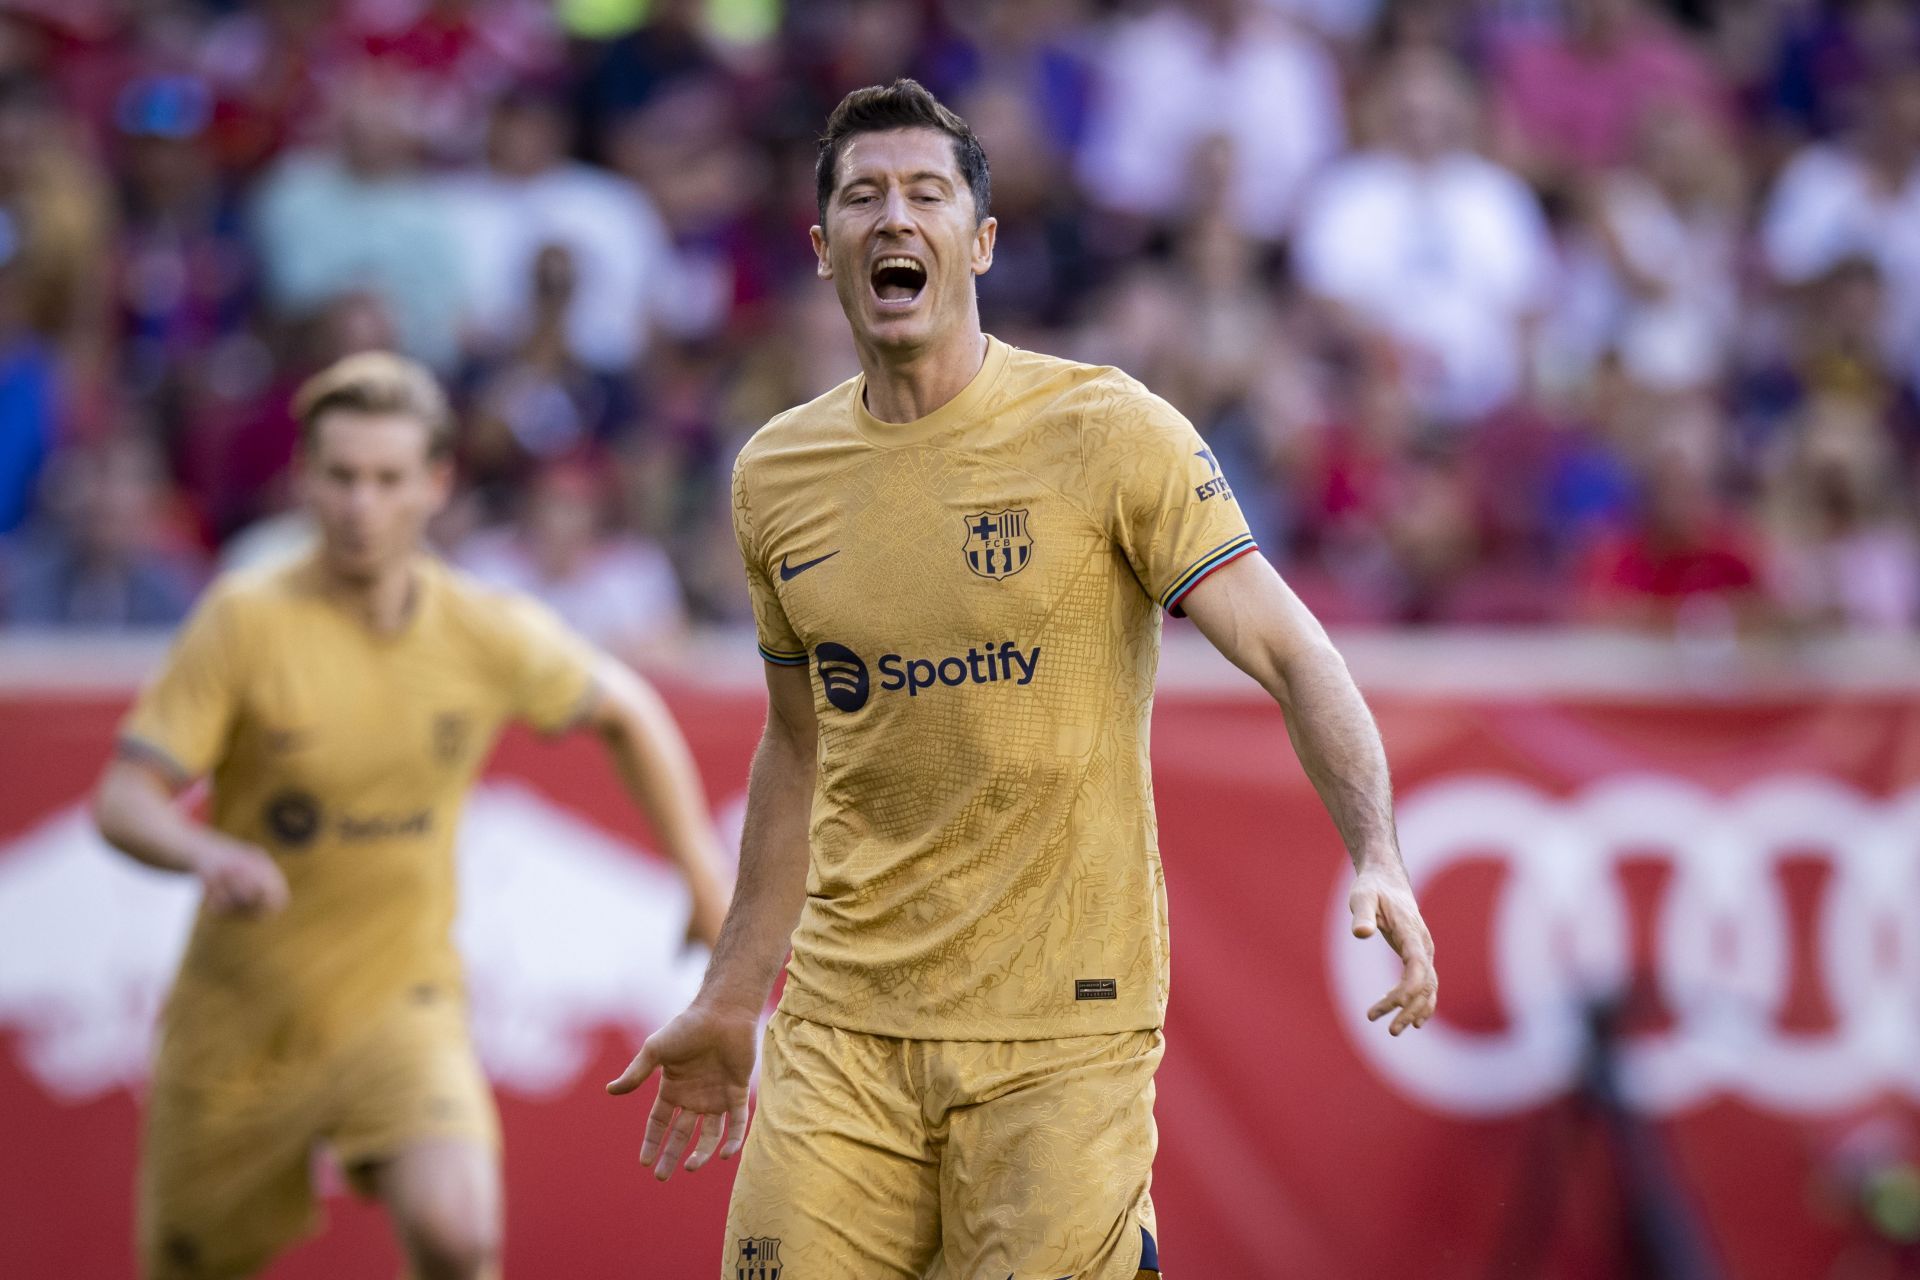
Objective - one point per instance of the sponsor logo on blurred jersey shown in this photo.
(1216, 486)
(1726, 962)
(294, 818)
(566, 930)
(451, 730)
(758, 1259)
(998, 544)
(843, 673)
(385, 826)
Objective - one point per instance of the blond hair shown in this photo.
(377, 382)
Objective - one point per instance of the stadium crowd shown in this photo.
(1495, 311)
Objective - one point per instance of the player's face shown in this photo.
(901, 243)
(372, 488)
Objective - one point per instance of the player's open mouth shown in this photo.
(897, 282)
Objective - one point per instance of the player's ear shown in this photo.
(440, 476)
(984, 237)
(821, 267)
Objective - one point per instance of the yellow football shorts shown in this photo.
(946, 1160)
(225, 1170)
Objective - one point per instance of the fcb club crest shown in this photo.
(450, 736)
(998, 544)
(759, 1259)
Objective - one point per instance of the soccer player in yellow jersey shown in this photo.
(957, 561)
(342, 705)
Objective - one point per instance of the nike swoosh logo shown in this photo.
(789, 572)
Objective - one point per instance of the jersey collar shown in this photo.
(955, 412)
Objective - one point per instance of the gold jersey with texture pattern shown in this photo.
(345, 754)
(977, 594)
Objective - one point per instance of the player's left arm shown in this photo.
(1254, 618)
(658, 771)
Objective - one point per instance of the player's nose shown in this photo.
(896, 215)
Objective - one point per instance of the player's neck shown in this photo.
(385, 601)
(908, 386)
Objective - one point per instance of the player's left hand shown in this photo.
(1382, 902)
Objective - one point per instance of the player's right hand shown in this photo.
(705, 1060)
(242, 880)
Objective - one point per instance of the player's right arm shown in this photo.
(705, 1056)
(177, 732)
(136, 809)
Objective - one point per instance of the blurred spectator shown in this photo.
(530, 195)
(1041, 268)
(618, 590)
(685, 150)
(1860, 197)
(29, 391)
(1688, 559)
(459, 55)
(361, 214)
(1830, 53)
(61, 213)
(183, 268)
(625, 74)
(1574, 100)
(1181, 74)
(106, 561)
(1420, 239)
(269, 63)
(541, 403)
(1031, 49)
(1845, 550)
(1669, 234)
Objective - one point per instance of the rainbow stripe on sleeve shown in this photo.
(779, 659)
(1232, 549)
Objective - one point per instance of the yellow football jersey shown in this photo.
(978, 593)
(346, 755)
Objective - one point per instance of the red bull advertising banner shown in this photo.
(1679, 1027)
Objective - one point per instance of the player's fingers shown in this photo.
(1406, 930)
(636, 1073)
(736, 1132)
(712, 1129)
(1365, 905)
(1427, 1001)
(656, 1132)
(677, 1137)
(1384, 1005)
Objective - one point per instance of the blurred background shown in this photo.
(1499, 312)
(1564, 354)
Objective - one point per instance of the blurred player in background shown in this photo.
(342, 705)
(970, 545)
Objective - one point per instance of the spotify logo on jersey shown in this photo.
(843, 675)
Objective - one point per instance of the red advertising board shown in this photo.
(1679, 941)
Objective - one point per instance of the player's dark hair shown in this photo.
(904, 104)
(376, 382)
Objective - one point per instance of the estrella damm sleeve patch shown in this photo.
(1169, 507)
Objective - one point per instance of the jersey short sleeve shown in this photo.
(185, 715)
(550, 679)
(1169, 507)
(778, 643)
